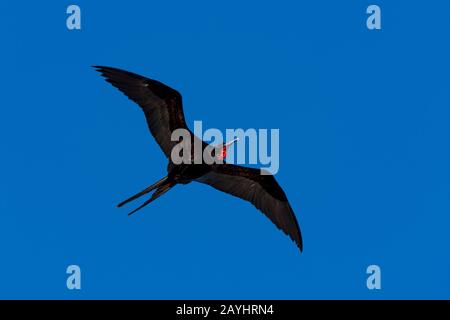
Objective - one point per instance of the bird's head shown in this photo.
(222, 149)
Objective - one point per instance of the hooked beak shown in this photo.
(231, 142)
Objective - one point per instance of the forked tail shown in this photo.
(158, 193)
(154, 186)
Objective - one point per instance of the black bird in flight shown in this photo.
(163, 111)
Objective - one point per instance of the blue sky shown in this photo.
(364, 149)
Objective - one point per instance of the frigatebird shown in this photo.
(163, 110)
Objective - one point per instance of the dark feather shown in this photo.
(262, 191)
(161, 104)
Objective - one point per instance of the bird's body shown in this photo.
(163, 110)
(186, 173)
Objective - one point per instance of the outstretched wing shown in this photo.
(161, 104)
(262, 191)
